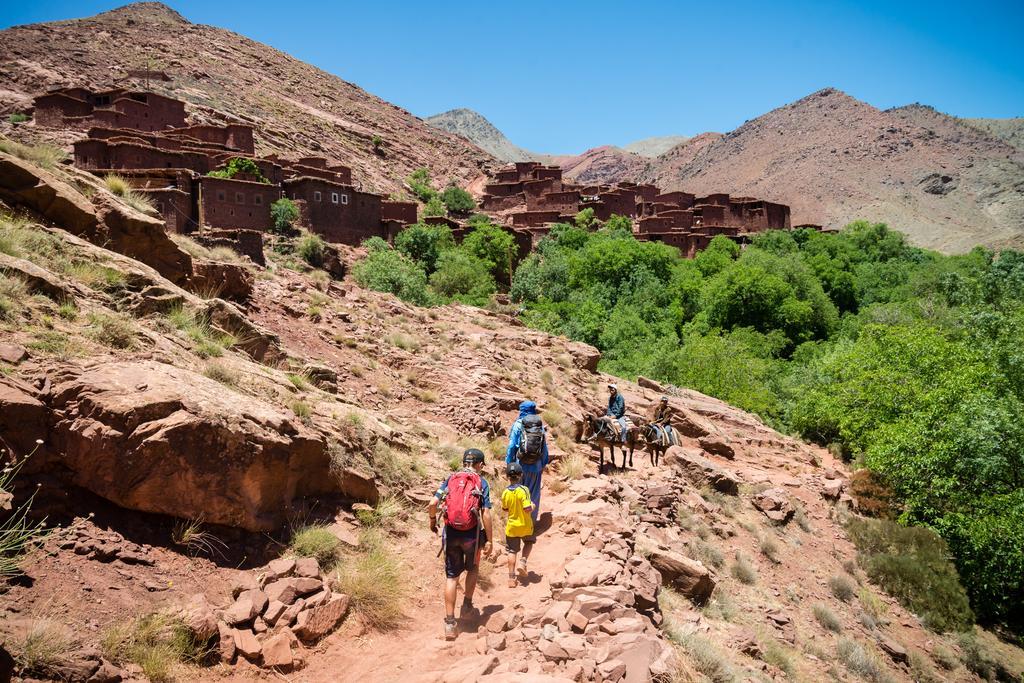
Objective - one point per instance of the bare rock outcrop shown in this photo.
(226, 280)
(701, 471)
(152, 437)
(108, 223)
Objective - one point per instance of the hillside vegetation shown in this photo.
(909, 361)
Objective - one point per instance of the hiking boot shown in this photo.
(512, 582)
(521, 568)
(449, 628)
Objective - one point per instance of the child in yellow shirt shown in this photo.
(519, 528)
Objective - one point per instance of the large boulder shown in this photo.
(28, 185)
(584, 356)
(226, 280)
(141, 237)
(156, 438)
(701, 471)
(689, 577)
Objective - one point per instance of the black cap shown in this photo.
(472, 456)
(514, 469)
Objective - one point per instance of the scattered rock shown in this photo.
(246, 644)
(199, 617)
(775, 505)
(313, 624)
(896, 652)
(226, 280)
(277, 652)
(12, 353)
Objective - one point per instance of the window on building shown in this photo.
(316, 196)
(334, 197)
(258, 200)
(239, 198)
(221, 196)
(344, 199)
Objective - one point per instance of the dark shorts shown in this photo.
(513, 543)
(461, 552)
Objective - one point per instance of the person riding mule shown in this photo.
(658, 432)
(604, 430)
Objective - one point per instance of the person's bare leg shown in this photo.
(512, 582)
(471, 577)
(451, 587)
(527, 549)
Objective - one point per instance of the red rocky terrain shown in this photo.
(299, 109)
(313, 400)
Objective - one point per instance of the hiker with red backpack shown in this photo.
(464, 500)
(528, 445)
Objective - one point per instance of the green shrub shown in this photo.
(419, 183)
(457, 200)
(113, 330)
(13, 293)
(861, 661)
(283, 213)
(388, 270)
(424, 244)
(460, 275)
(842, 588)
(374, 580)
(434, 207)
(43, 155)
(158, 643)
(312, 249)
(912, 564)
(236, 165)
(18, 118)
(827, 618)
(743, 571)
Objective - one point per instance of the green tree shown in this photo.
(462, 276)
(585, 219)
(424, 243)
(493, 245)
(283, 213)
(419, 183)
(434, 207)
(238, 165)
(458, 201)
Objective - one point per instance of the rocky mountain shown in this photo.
(602, 165)
(481, 132)
(652, 147)
(298, 109)
(187, 442)
(833, 159)
(1010, 131)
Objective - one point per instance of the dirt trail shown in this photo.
(417, 648)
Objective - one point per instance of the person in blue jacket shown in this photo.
(531, 472)
(617, 408)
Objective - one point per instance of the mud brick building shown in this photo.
(529, 197)
(146, 138)
(232, 203)
(117, 108)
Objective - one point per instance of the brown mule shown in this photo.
(596, 430)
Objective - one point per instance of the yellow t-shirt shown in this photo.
(516, 500)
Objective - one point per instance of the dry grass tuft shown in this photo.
(158, 643)
(842, 588)
(316, 540)
(743, 571)
(859, 660)
(113, 330)
(119, 187)
(374, 580)
(827, 618)
(43, 155)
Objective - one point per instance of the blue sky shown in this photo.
(561, 77)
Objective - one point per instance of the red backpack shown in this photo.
(462, 504)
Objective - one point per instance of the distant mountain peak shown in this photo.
(148, 12)
(475, 127)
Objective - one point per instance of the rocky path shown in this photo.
(586, 611)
